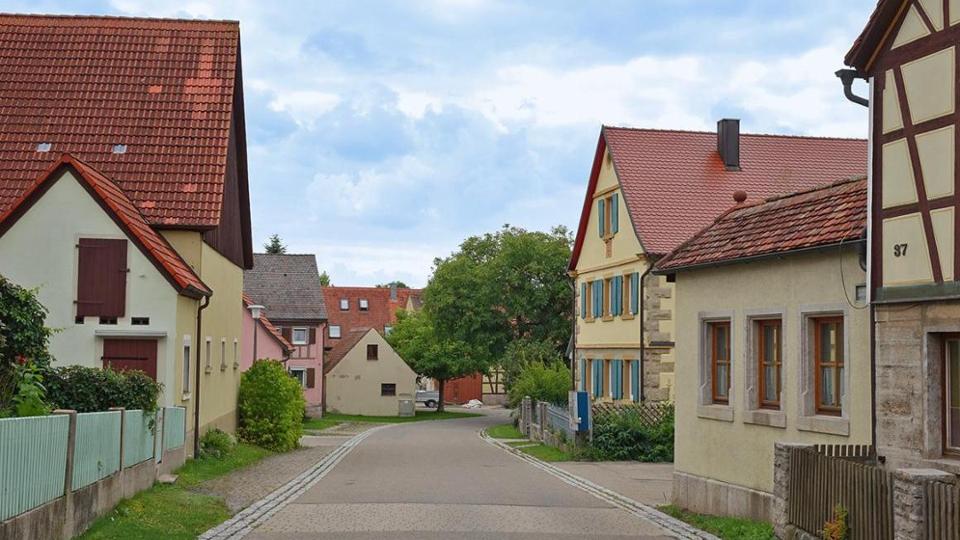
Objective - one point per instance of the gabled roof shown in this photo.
(287, 285)
(344, 346)
(674, 182)
(116, 204)
(826, 216)
(165, 89)
(269, 327)
(874, 33)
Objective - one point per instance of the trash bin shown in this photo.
(406, 405)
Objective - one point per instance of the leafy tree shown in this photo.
(324, 279)
(398, 284)
(501, 287)
(275, 246)
(524, 352)
(431, 354)
(542, 383)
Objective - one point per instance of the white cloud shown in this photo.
(376, 263)
(305, 107)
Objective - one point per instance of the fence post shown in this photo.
(910, 501)
(526, 409)
(123, 428)
(781, 486)
(71, 442)
(542, 418)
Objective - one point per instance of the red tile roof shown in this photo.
(119, 207)
(164, 88)
(344, 345)
(874, 33)
(381, 312)
(269, 327)
(826, 216)
(674, 182)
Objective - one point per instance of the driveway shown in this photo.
(439, 480)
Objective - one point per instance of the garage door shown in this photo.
(129, 354)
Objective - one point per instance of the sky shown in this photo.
(381, 134)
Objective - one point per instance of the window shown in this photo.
(186, 365)
(769, 362)
(236, 353)
(387, 329)
(78, 320)
(300, 375)
(719, 353)
(207, 358)
(108, 320)
(373, 352)
(334, 331)
(101, 278)
(828, 364)
(635, 293)
(951, 395)
(140, 321)
(300, 336)
(364, 305)
(388, 389)
(344, 304)
(223, 354)
(608, 214)
(586, 300)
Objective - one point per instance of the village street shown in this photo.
(433, 480)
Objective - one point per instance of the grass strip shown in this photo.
(725, 527)
(504, 431)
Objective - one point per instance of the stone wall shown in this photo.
(657, 327)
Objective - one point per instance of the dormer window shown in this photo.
(364, 305)
(344, 304)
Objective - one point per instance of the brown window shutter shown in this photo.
(313, 336)
(311, 377)
(287, 333)
(101, 277)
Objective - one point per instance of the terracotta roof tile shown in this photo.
(343, 346)
(163, 88)
(674, 182)
(122, 210)
(825, 216)
(269, 327)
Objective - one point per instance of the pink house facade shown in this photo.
(269, 342)
(288, 289)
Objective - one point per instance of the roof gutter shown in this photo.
(847, 77)
(812, 249)
(196, 397)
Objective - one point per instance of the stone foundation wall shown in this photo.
(708, 496)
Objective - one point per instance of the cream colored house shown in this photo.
(648, 191)
(136, 239)
(364, 375)
(773, 343)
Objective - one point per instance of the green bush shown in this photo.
(271, 407)
(523, 352)
(88, 389)
(622, 437)
(23, 339)
(28, 394)
(541, 383)
(216, 444)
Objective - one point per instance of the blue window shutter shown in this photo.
(635, 379)
(619, 369)
(634, 293)
(613, 296)
(583, 374)
(597, 379)
(600, 215)
(618, 296)
(615, 213)
(615, 379)
(583, 300)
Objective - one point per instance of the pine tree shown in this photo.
(275, 246)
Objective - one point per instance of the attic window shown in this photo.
(364, 305)
(119, 149)
(344, 304)
(44, 147)
(140, 321)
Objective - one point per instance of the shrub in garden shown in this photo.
(541, 383)
(216, 444)
(271, 407)
(89, 389)
(27, 393)
(620, 437)
(23, 339)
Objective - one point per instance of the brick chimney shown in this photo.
(728, 142)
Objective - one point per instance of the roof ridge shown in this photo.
(842, 181)
(742, 134)
(24, 17)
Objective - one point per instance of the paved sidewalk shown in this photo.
(242, 488)
(648, 483)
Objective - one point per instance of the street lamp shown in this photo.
(256, 310)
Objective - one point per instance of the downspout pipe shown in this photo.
(847, 77)
(643, 333)
(196, 397)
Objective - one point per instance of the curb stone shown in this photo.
(252, 516)
(671, 524)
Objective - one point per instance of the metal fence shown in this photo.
(650, 414)
(943, 511)
(558, 419)
(825, 476)
(34, 450)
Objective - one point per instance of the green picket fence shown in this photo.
(33, 462)
(138, 439)
(96, 452)
(174, 422)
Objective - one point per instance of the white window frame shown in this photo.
(807, 417)
(236, 353)
(753, 413)
(306, 335)
(330, 331)
(363, 304)
(387, 329)
(300, 374)
(209, 343)
(344, 304)
(186, 360)
(706, 408)
(223, 354)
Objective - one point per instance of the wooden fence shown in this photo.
(825, 476)
(649, 413)
(943, 511)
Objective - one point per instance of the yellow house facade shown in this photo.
(773, 344)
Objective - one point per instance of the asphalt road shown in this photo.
(439, 480)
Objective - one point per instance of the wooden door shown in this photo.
(128, 354)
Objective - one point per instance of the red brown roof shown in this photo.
(269, 327)
(344, 345)
(119, 207)
(381, 312)
(874, 33)
(674, 183)
(165, 89)
(826, 216)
